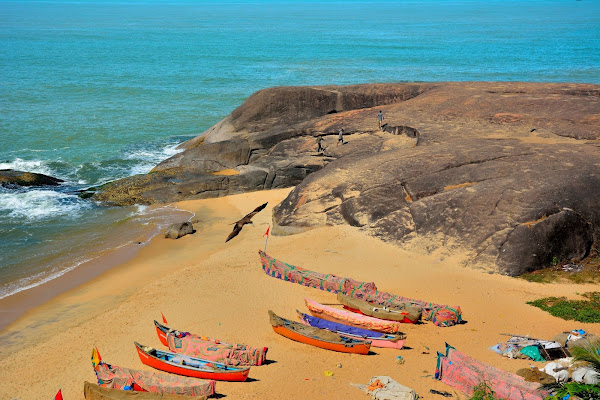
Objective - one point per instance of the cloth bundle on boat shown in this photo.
(95, 392)
(213, 350)
(524, 347)
(440, 315)
(465, 373)
(114, 377)
(385, 388)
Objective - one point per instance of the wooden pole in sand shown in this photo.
(267, 235)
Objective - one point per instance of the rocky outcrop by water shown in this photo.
(508, 171)
(10, 178)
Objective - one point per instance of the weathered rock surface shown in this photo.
(517, 205)
(11, 178)
(270, 142)
(179, 229)
(508, 171)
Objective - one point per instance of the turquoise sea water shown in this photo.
(92, 91)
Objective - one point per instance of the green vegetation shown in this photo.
(589, 353)
(582, 391)
(578, 310)
(483, 392)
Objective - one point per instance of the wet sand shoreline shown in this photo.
(99, 261)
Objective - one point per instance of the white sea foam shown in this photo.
(40, 204)
(38, 166)
(149, 158)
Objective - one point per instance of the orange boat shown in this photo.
(190, 366)
(318, 337)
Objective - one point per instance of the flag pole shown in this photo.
(267, 235)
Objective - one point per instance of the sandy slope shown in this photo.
(206, 286)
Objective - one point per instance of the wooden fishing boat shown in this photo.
(404, 313)
(136, 381)
(189, 344)
(318, 337)
(377, 339)
(350, 318)
(95, 392)
(190, 366)
(439, 314)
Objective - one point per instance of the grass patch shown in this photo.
(483, 392)
(579, 310)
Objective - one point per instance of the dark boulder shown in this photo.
(177, 230)
(495, 198)
(11, 178)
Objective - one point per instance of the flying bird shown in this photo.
(246, 220)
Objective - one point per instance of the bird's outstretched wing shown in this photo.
(236, 230)
(255, 211)
(246, 220)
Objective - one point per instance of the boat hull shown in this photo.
(151, 361)
(355, 349)
(403, 320)
(353, 319)
(95, 392)
(162, 336)
(317, 337)
(391, 343)
(405, 313)
(205, 348)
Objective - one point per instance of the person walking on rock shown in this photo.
(319, 145)
(380, 119)
(341, 137)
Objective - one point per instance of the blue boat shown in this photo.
(377, 339)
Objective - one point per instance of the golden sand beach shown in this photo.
(206, 286)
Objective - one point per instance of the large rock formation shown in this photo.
(268, 142)
(10, 178)
(508, 171)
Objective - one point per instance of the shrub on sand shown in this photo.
(483, 391)
(579, 310)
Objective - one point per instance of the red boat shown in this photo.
(190, 366)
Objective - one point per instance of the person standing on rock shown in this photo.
(341, 136)
(319, 145)
(380, 119)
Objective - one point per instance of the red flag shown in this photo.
(267, 232)
(58, 395)
(164, 319)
